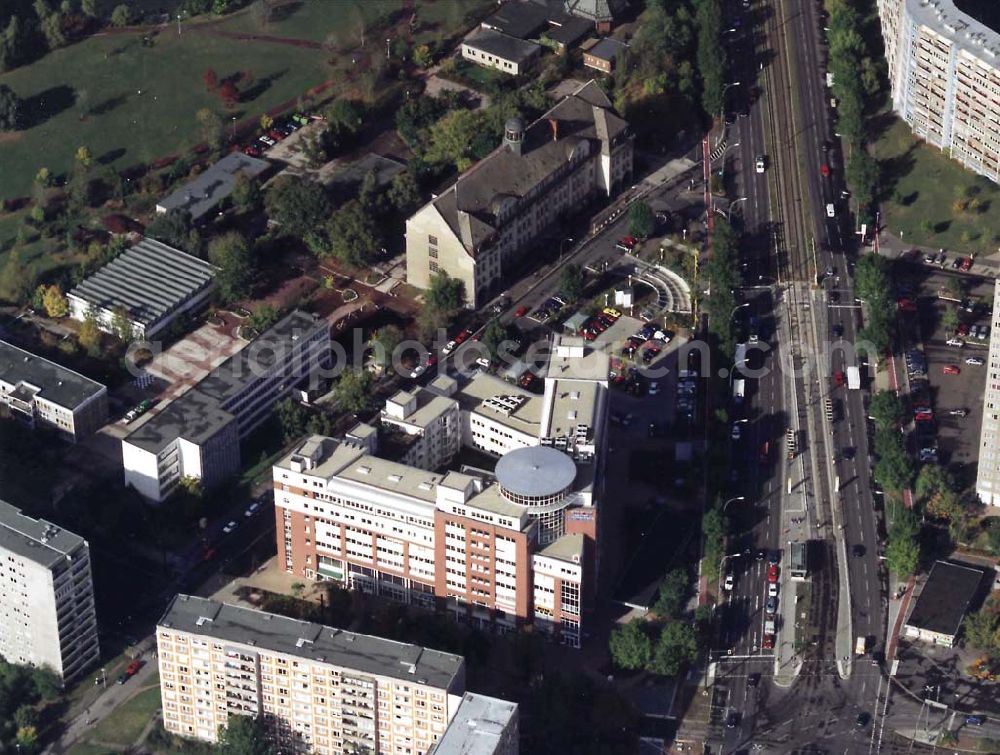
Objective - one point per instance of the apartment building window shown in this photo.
(432, 252)
(432, 240)
(434, 266)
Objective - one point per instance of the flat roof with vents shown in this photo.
(44, 379)
(149, 280)
(35, 539)
(361, 653)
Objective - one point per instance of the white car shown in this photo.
(448, 348)
(654, 388)
(760, 164)
(974, 361)
(419, 370)
(483, 363)
(736, 432)
(252, 509)
(267, 140)
(831, 212)
(230, 528)
(955, 342)
(730, 581)
(772, 590)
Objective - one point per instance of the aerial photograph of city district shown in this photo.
(499, 377)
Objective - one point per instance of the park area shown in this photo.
(131, 95)
(931, 200)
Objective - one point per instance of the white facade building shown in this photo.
(47, 615)
(198, 434)
(988, 469)
(944, 72)
(41, 393)
(319, 690)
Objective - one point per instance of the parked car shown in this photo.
(975, 720)
(771, 606)
(122, 679)
(626, 243)
(975, 361)
(957, 342)
(760, 165)
(230, 528)
(730, 582)
(133, 668)
(449, 347)
(959, 413)
(772, 589)
(966, 264)
(824, 170)
(951, 369)
(252, 509)
(520, 311)
(772, 573)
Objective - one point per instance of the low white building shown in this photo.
(47, 614)
(198, 434)
(988, 468)
(41, 393)
(151, 283)
(493, 49)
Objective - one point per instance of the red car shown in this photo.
(461, 337)
(768, 643)
(951, 369)
(252, 150)
(520, 312)
(627, 243)
(432, 360)
(526, 379)
(824, 170)
(966, 264)
(906, 305)
(838, 377)
(772, 573)
(963, 329)
(133, 668)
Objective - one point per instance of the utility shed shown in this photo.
(946, 597)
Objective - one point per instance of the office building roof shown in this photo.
(201, 194)
(200, 412)
(535, 471)
(521, 18)
(595, 10)
(579, 124)
(48, 380)
(568, 30)
(315, 642)
(149, 280)
(502, 45)
(961, 29)
(607, 49)
(502, 402)
(35, 539)
(478, 726)
(566, 548)
(945, 598)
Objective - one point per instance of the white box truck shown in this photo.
(853, 378)
(739, 390)
(861, 646)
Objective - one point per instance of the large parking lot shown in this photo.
(957, 436)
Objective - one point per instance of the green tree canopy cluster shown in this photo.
(903, 550)
(633, 647)
(873, 287)
(21, 689)
(711, 55)
(723, 280)
(856, 80)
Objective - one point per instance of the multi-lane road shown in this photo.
(814, 692)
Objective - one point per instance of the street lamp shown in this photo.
(562, 244)
(737, 498)
(387, 41)
(737, 307)
(724, 90)
(234, 128)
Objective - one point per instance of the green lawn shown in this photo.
(85, 748)
(132, 104)
(344, 20)
(126, 723)
(922, 185)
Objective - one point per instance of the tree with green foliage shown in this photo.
(894, 469)
(17, 278)
(353, 234)
(713, 531)
(676, 648)
(55, 302)
(903, 551)
(494, 334)
(871, 277)
(11, 108)
(243, 735)
(711, 55)
(453, 138)
(933, 479)
(262, 318)
(352, 391)
(630, 646)
(212, 128)
(672, 594)
(299, 205)
(344, 119)
(641, 221)
(982, 630)
(445, 295)
(949, 319)
(121, 324)
(886, 409)
(571, 283)
(384, 342)
(246, 193)
(404, 191)
(121, 15)
(292, 417)
(234, 258)
(176, 228)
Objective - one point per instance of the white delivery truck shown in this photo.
(739, 388)
(853, 378)
(861, 646)
(829, 79)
